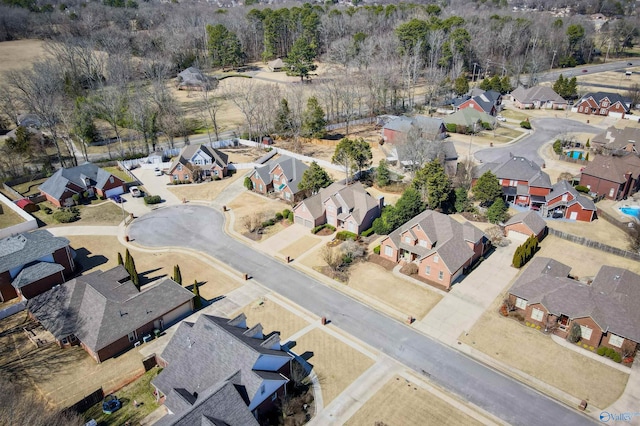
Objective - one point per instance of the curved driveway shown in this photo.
(201, 228)
(544, 130)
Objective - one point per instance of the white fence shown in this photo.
(13, 309)
(29, 223)
(242, 166)
(323, 163)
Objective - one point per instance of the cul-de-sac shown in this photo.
(324, 213)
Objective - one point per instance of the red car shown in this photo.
(585, 70)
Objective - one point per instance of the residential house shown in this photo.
(488, 102)
(525, 224)
(220, 369)
(106, 314)
(441, 247)
(275, 65)
(523, 182)
(537, 97)
(614, 177)
(63, 184)
(196, 162)
(349, 208)
(470, 117)
(429, 128)
(564, 200)
(603, 103)
(32, 263)
(605, 309)
(280, 176)
(193, 79)
(618, 141)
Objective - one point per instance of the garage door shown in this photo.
(302, 221)
(115, 191)
(308, 223)
(517, 236)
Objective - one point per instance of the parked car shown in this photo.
(111, 404)
(158, 172)
(629, 63)
(557, 214)
(585, 70)
(500, 118)
(135, 191)
(116, 198)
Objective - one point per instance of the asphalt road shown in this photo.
(544, 130)
(552, 76)
(201, 228)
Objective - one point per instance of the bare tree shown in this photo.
(332, 256)
(416, 149)
(242, 96)
(210, 106)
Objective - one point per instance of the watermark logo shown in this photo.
(606, 417)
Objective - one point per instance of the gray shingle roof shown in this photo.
(615, 139)
(212, 350)
(28, 247)
(57, 183)
(217, 157)
(562, 187)
(448, 237)
(531, 219)
(292, 167)
(469, 116)
(537, 94)
(102, 307)
(353, 199)
(611, 299)
(35, 272)
(428, 125)
(513, 167)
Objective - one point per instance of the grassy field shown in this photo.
(273, 317)
(118, 173)
(249, 203)
(206, 191)
(99, 212)
(401, 402)
(536, 354)
(29, 188)
(8, 217)
(514, 114)
(299, 247)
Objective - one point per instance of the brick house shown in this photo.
(617, 141)
(564, 199)
(488, 102)
(537, 97)
(525, 224)
(441, 247)
(32, 263)
(280, 176)
(430, 128)
(219, 368)
(615, 177)
(197, 162)
(106, 314)
(603, 103)
(605, 309)
(63, 184)
(523, 182)
(349, 208)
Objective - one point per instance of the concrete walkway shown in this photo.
(629, 402)
(61, 231)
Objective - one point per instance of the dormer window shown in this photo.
(605, 104)
(179, 167)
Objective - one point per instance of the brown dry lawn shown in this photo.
(62, 376)
(534, 353)
(401, 402)
(20, 54)
(584, 261)
(301, 246)
(98, 213)
(8, 217)
(404, 296)
(249, 203)
(205, 191)
(336, 364)
(273, 317)
(101, 252)
(599, 230)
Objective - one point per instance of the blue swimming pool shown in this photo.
(575, 154)
(631, 211)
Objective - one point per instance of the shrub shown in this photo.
(602, 350)
(486, 125)
(67, 215)
(451, 127)
(152, 199)
(583, 189)
(409, 269)
(367, 232)
(248, 183)
(286, 213)
(376, 249)
(47, 210)
(268, 223)
(616, 357)
(278, 216)
(557, 146)
(346, 235)
(525, 125)
(76, 198)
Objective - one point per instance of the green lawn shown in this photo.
(98, 212)
(118, 173)
(29, 188)
(515, 115)
(140, 391)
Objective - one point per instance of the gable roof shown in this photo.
(34, 272)
(613, 98)
(193, 77)
(448, 237)
(25, 248)
(613, 168)
(428, 125)
(610, 300)
(212, 350)
(85, 176)
(615, 139)
(563, 187)
(188, 152)
(102, 307)
(537, 94)
(292, 168)
(275, 64)
(469, 116)
(354, 200)
(486, 100)
(531, 219)
(513, 167)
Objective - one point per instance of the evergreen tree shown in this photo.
(433, 183)
(120, 261)
(225, 48)
(575, 333)
(134, 274)
(487, 188)
(127, 261)
(313, 122)
(517, 258)
(361, 153)
(382, 173)
(586, 157)
(283, 119)
(177, 276)
(197, 302)
(299, 61)
(505, 85)
(461, 85)
(343, 156)
(462, 200)
(588, 145)
(248, 183)
(497, 212)
(314, 179)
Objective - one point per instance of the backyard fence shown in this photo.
(568, 159)
(134, 179)
(626, 227)
(322, 163)
(13, 309)
(342, 125)
(594, 244)
(88, 401)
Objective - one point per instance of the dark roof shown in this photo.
(217, 157)
(212, 350)
(84, 176)
(613, 98)
(513, 167)
(531, 219)
(562, 187)
(448, 237)
(469, 116)
(610, 300)
(428, 125)
(28, 247)
(487, 100)
(35, 272)
(353, 199)
(613, 168)
(102, 307)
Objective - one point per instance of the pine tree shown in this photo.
(134, 274)
(588, 144)
(516, 258)
(120, 261)
(197, 302)
(177, 276)
(586, 157)
(127, 261)
(283, 119)
(313, 122)
(382, 173)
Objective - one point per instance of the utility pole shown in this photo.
(552, 58)
(473, 78)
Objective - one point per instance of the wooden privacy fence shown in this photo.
(594, 244)
(88, 401)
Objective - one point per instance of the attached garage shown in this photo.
(115, 191)
(176, 315)
(302, 221)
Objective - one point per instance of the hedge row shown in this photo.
(321, 227)
(152, 199)
(609, 353)
(367, 232)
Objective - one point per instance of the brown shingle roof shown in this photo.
(613, 168)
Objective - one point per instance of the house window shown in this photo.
(436, 259)
(611, 192)
(536, 314)
(287, 195)
(427, 270)
(605, 104)
(388, 251)
(521, 303)
(64, 341)
(407, 240)
(133, 336)
(179, 167)
(175, 177)
(111, 179)
(423, 243)
(186, 177)
(274, 396)
(260, 187)
(585, 332)
(215, 172)
(616, 340)
(440, 275)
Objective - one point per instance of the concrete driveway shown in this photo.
(156, 185)
(201, 228)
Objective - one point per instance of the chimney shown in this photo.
(381, 202)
